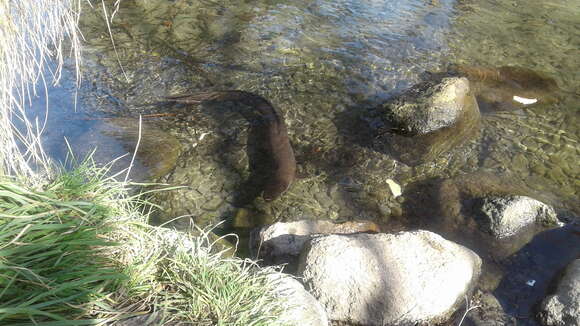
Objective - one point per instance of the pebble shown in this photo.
(212, 204)
(385, 211)
(242, 219)
(396, 211)
(539, 169)
(519, 163)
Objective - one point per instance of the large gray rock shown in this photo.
(282, 242)
(507, 215)
(388, 279)
(430, 106)
(303, 308)
(563, 308)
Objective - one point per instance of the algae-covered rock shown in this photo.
(430, 106)
(508, 87)
(430, 120)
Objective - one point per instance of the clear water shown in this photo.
(326, 65)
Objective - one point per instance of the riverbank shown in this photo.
(75, 246)
(80, 252)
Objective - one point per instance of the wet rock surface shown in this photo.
(434, 118)
(282, 242)
(388, 279)
(430, 106)
(563, 307)
(506, 216)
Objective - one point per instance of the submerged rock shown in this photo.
(117, 138)
(429, 120)
(563, 307)
(509, 87)
(282, 242)
(455, 210)
(506, 216)
(388, 279)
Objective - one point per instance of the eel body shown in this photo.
(276, 142)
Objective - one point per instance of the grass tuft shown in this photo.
(80, 252)
(188, 277)
(32, 33)
(51, 262)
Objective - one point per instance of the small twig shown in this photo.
(467, 310)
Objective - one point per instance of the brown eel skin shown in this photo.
(277, 143)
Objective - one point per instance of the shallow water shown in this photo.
(327, 65)
(318, 60)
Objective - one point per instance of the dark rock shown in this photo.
(430, 106)
(430, 120)
(563, 307)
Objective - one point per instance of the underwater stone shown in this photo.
(519, 163)
(213, 204)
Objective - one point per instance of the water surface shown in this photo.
(327, 65)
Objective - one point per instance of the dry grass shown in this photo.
(32, 34)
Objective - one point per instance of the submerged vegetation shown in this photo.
(75, 247)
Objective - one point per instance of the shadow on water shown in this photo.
(531, 272)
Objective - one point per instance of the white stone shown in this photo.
(303, 309)
(388, 279)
